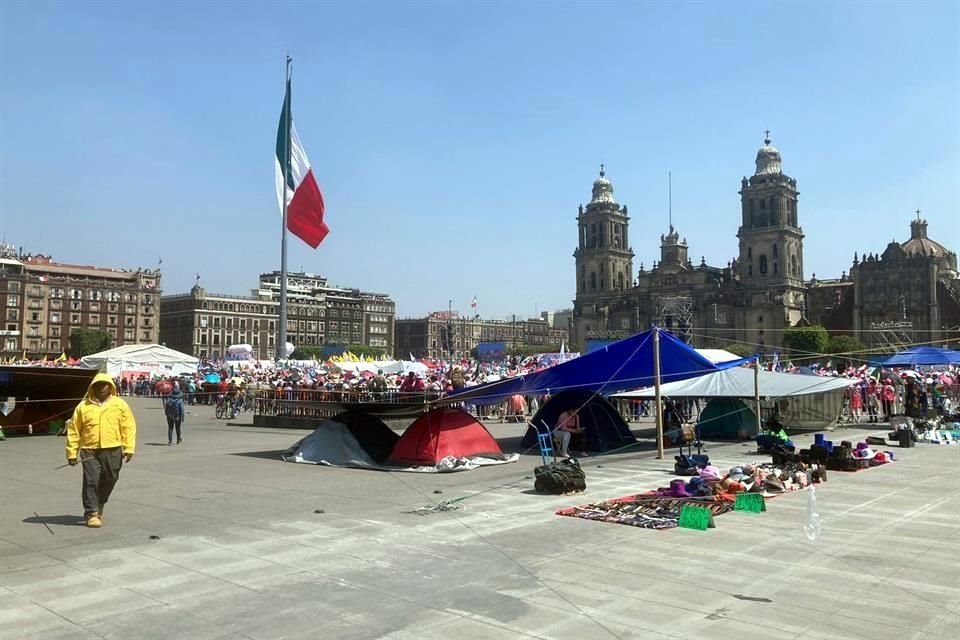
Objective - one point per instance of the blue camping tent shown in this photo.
(929, 356)
(627, 364)
(603, 426)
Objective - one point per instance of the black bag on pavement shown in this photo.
(564, 476)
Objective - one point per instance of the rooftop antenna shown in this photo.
(670, 197)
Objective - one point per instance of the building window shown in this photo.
(203, 322)
(763, 264)
(146, 336)
(749, 269)
(74, 318)
(128, 334)
(94, 319)
(775, 250)
(593, 281)
(13, 301)
(112, 321)
(94, 306)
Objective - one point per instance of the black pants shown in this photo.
(101, 470)
(887, 410)
(171, 425)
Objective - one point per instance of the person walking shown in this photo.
(856, 403)
(102, 436)
(173, 409)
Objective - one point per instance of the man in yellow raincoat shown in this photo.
(103, 434)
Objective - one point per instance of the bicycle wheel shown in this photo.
(221, 411)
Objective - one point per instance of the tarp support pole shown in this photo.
(756, 395)
(656, 391)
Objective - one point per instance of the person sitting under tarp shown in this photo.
(773, 435)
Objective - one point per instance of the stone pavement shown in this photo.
(218, 538)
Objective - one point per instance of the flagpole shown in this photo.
(282, 345)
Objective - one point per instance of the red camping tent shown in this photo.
(443, 432)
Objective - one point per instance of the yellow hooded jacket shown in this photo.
(101, 426)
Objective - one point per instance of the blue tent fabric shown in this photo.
(919, 356)
(627, 364)
(603, 426)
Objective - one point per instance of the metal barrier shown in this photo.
(321, 403)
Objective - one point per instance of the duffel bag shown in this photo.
(564, 476)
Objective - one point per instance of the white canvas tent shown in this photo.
(146, 358)
(716, 356)
(738, 383)
(804, 401)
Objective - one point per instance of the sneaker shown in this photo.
(180, 441)
(94, 521)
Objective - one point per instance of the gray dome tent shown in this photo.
(603, 426)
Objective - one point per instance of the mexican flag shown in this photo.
(304, 200)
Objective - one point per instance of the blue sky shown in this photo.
(454, 141)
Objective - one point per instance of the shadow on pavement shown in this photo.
(265, 455)
(66, 521)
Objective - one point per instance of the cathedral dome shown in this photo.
(602, 188)
(920, 244)
(768, 159)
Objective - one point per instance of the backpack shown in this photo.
(171, 407)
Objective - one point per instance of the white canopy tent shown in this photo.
(144, 358)
(739, 383)
(716, 356)
(804, 401)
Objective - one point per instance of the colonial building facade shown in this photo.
(44, 301)
(448, 335)
(751, 299)
(206, 324)
(910, 293)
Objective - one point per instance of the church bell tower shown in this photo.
(603, 256)
(770, 264)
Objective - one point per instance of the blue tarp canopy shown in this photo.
(627, 364)
(917, 356)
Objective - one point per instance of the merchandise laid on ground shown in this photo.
(719, 492)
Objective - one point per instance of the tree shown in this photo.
(806, 343)
(846, 350)
(83, 342)
(326, 351)
(741, 350)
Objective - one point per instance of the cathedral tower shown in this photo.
(770, 263)
(603, 256)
